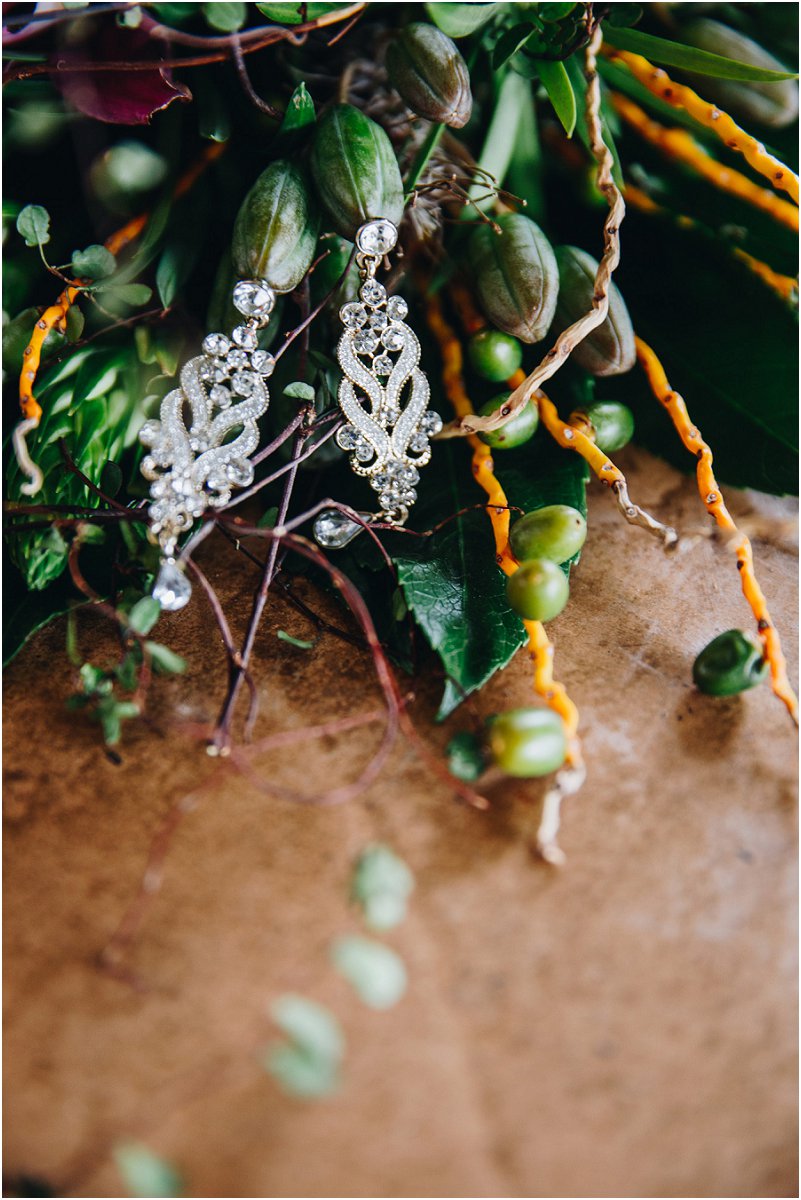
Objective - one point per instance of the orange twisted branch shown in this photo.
(681, 145)
(715, 505)
(709, 115)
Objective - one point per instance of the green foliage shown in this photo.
(460, 20)
(308, 1064)
(33, 224)
(376, 972)
(689, 58)
(143, 1172)
(95, 401)
(95, 262)
(225, 15)
(458, 603)
(465, 757)
(381, 885)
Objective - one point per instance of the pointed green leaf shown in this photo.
(556, 82)
(687, 58)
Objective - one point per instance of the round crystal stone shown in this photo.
(382, 365)
(365, 341)
(347, 438)
(373, 293)
(263, 362)
(377, 237)
(236, 359)
(431, 423)
(353, 315)
(216, 344)
(172, 589)
(364, 452)
(245, 337)
(418, 443)
(379, 319)
(254, 298)
(220, 396)
(397, 308)
(243, 383)
(239, 472)
(392, 338)
(219, 372)
(149, 432)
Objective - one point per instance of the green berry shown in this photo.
(528, 742)
(538, 590)
(514, 433)
(556, 532)
(613, 424)
(494, 355)
(732, 662)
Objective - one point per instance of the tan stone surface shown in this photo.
(624, 1027)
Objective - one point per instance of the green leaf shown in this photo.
(33, 223)
(130, 295)
(687, 58)
(225, 15)
(95, 262)
(176, 263)
(308, 1066)
(144, 614)
(376, 973)
(728, 345)
(143, 1172)
(460, 20)
(165, 659)
(299, 391)
(465, 757)
(27, 614)
(451, 582)
(299, 116)
(510, 41)
(500, 138)
(283, 636)
(75, 323)
(554, 12)
(579, 84)
(381, 885)
(300, 1074)
(175, 13)
(556, 82)
(293, 13)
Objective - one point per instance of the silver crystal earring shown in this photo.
(383, 394)
(190, 464)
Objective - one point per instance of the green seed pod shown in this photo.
(538, 590)
(515, 276)
(732, 662)
(514, 433)
(772, 104)
(609, 349)
(612, 423)
(355, 170)
(556, 532)
(528, 742)
(494, 355)
(275, 233)
(430, 75)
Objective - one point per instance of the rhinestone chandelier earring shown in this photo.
(383, 394)
(190, 465)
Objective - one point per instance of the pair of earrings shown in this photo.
(194, 463)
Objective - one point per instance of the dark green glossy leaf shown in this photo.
(557, 84)
(509, 43)
(95, 262)
(688, 58)
(728, 345)
(451, 581)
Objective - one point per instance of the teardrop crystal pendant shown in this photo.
(191, 466)
(383, 392)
